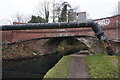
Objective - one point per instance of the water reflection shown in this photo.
(30, 68)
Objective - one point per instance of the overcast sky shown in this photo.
(96, 8)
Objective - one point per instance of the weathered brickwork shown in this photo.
(110, 25)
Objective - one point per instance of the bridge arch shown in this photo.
(72, 44)
(61, 44)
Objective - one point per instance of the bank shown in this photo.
(61, 69)
(98, 66)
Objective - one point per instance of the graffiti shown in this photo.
(103, 22)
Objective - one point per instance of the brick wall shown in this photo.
(7, 36)
(109, 25)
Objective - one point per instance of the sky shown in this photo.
(96, 8)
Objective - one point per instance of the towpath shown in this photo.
(78, 66)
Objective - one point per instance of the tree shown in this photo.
(43, 10)
(56, 10)
(63, 17)
(71, 15)
(21, 18)
(37, 19)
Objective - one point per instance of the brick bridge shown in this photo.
(110, 26)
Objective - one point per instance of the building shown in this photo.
(81, 17)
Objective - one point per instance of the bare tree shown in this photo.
(56, 10)
(21, 18)
(76, 8)
(43, 10)
(72, 13)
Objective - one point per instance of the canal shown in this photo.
(37, 67)
(30, 67)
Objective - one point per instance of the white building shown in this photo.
(81, 17)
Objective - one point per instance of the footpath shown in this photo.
(78, 66)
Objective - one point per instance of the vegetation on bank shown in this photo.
(61, 69)
(102, 66)
(98, 65)
(18, 51)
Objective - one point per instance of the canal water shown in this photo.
(30, 67)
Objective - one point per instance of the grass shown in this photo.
(102, 66)
(98, 66)
(61, 69)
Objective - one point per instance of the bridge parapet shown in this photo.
(95, 27)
